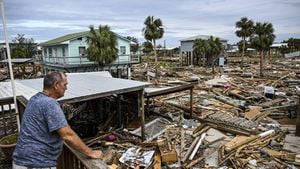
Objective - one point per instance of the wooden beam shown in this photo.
(191, 102)
(101, 95)
(179, 88)
(142, 113)
(120, 115)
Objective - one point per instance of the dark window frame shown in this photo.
(63, 51)
(82, 53)
(123, 50)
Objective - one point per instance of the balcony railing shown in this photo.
(67, 60)
(83, 60)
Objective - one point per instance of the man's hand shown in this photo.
(73, 140)
(96, 154)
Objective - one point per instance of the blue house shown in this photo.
(68, 54)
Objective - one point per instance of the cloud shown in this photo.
(46, 19)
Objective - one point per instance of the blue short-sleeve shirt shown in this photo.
(39, 143)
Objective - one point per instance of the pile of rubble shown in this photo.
(239, 120)
(236, 122)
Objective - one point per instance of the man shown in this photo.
(44, 128)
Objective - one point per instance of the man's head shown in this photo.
(55, 83)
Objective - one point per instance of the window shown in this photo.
(55, 52)
(82, 51)
(50, 52)
(63, 51)
(122, 50)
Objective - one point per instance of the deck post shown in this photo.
(142, 113)
(120, 111)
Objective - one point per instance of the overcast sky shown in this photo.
(48, 19)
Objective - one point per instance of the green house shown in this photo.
(68, 53)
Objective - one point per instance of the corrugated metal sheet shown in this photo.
(96, 84)
(6, 90)
(18, 60)
(204, 37)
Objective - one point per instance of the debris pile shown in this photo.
(239, 120)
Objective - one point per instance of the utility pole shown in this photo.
(9, 63)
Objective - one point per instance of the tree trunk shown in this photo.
(213, 65)
(261, 63)
(197, 60)
(243, 52)
(155, 57)
(147, 68)
(192, 58)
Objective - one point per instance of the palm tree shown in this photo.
(262, 40)
(102, 45)
(214, 50)
(200, 48)
(147, 47)
(283, 50)
(293, 44)
(245, 30)
(152, 31)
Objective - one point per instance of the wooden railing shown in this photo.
(68, 160)
(135, 58)
(71, 159)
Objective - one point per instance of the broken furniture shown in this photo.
(153, 92)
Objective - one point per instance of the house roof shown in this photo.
(18, 60)
(64, 38)
(81, 86)
(292, 54)
(204, 37)
(71, 36)
(277, 45)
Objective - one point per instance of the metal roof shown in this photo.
(72, 36)
(6, 90)
(277, 45)
(204, 37)
(81, 86)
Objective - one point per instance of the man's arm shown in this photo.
(72, 139)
